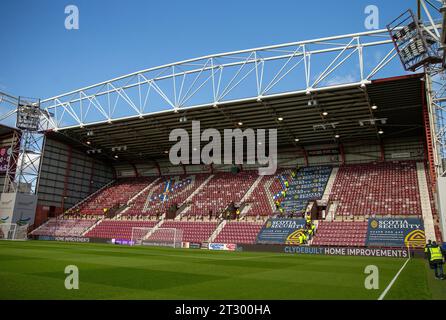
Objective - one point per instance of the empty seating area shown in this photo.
(239, 232)
(309, 184)
(359, 190)
(117, 229)
(261, 200)
(165, 193)
(118, 193)
(220, 191)
(192, 231)
(64, 227)
(166, 237)
(341, 233)
(381, 189)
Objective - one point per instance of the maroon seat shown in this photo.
(387, 188)
(340, 233)
(239, 232)
(117, 229)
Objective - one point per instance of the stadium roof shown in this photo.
(5, 130)
(399, 102)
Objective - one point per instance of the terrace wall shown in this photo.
(67, 177)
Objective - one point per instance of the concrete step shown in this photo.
(330, 183)
(217, 231)
(425, 202)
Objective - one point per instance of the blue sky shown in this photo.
(40, 58)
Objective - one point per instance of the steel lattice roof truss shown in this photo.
(215, 80)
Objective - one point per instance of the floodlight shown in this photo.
(415, 47)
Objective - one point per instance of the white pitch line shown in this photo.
(381, 297)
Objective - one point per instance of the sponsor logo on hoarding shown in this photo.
(281, 231)
(23, 222)
(415, 239)
(124, 242)
(293, 238)
(3, 220)
(343, 251)
(193, 245)
(230, 247)
(46, 238)
(72, 239)
(396, 233)
(25, 203)
(223, 246)
(216, 246)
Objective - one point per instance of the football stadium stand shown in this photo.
(117, 229)
(196, 231)
(309, 184)
(261, 200)
(117, 194)
(341, 233)
(64, 227)
(239, 232)
(381, 189)
(359, 190)
(220, 191)
(165, 193)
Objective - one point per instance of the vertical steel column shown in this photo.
(341, 151)
(67, 172)
(10, 186)
(90, 181)
(426, 87)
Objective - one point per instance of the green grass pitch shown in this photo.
(35, 270)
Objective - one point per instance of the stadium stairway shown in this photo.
(117, 229)
(186, 208)
(92, 227)
(248, 195)
(217, 231)
(118, 216)
(260, 203)
(270, 196)
(132, 199)
(116, 196)
(309, 184)
(331, 214)
(136, 196)
(239, 232)
(330, 183)
(196, 231)
(426, 209)
(251, 189)
(435, 216)
(63, 227)
(221, 191)
(90, 196)
(151, 205)
(155, 227)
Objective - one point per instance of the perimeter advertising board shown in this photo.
(18, 208)
(391, 232)
(327, 251)
(223, 246)
(281, 231)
